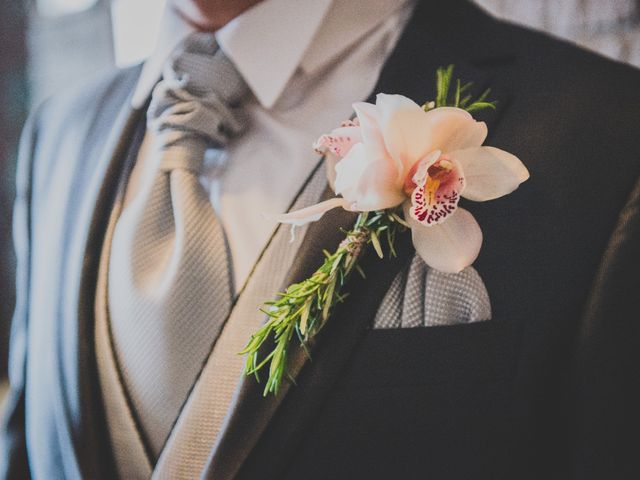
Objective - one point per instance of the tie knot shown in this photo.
(197, 104)
(202, 68)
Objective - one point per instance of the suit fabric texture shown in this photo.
(545, 389)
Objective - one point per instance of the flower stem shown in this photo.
(303, 308)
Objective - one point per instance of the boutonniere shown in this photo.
(401, 166)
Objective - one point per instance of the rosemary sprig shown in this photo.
(303, 308)
(461, 97)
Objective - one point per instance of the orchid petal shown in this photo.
(454, 129)
(366, 181)
(370, 130)
(451, 246)
(407, 131)
(489, 172)
(310, 214)
(330, 162)
(339, 141)
(433, 202)
(336, 145)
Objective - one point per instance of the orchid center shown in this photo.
(436, 190)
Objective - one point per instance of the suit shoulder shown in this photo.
(568, 92)
(562, 58)
(72, 124)
(79, 103)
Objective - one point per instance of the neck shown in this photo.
(210, 15)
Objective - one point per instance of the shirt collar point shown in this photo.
(267, 94)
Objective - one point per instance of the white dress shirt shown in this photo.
(306, 63)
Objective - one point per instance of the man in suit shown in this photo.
(141, 266)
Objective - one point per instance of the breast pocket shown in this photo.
(438, 398)
(421, 296)
(454, 354)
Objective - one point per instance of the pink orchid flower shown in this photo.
(394, 153)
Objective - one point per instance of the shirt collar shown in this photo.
(173, 30)
(270, 41)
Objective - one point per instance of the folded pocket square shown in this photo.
(423, 297)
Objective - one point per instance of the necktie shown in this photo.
(170, 286)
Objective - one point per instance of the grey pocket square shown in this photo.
(423, 297)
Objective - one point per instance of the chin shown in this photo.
(211, 14)
(193, 11)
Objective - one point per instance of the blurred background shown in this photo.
(47, 45)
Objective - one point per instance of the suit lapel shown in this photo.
(410, 71)
(81, 392)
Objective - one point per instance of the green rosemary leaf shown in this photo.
(268, 313)
(390, 241)
(328, 302)
(259, 366)
(251, 364)
(483, 96)
(443, 82)
(340, 297)
(304, 317)
(400, 220)
(465, 101)
(475, 106)
(376, 244)
(336, 262)
(374, 219)
(291, 379)
(465, 87)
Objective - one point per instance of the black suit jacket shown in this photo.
(546, 389)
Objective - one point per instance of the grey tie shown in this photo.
(170, 286)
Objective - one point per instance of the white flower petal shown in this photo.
(370, 130)
(367, 181)
(310, 214)
(330, 162)
(350, 169)
(454, 129)
(489, 172)
(450, 246)
(406, 129)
